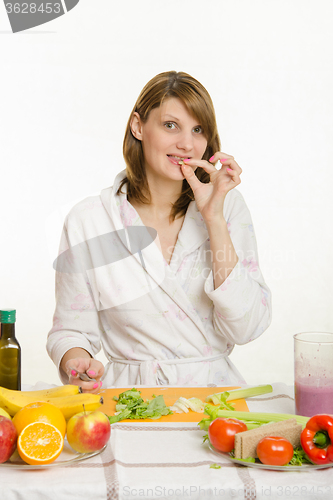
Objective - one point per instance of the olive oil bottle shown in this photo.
(10, 351)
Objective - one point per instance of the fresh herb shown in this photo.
(215, 466)
(299, 457)
(131, 405)
(205, 438)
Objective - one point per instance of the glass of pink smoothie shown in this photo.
(313, 357)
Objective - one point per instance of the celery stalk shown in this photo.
(264, 418)
(220, 397)
(252, 418)
(249, 392)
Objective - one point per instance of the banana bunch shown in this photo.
(67, 398)
(54, 392)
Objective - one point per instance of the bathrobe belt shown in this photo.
(158, 371)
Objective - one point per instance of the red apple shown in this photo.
(8, 438)
(88, 431)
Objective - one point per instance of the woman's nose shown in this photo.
(185, 141)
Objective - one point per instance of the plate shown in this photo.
(67, 457)
(258, 465)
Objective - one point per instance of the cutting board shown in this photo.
(170, 395)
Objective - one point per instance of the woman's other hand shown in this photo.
(92, 367)
(210, 197)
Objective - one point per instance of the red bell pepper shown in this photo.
(317, 439)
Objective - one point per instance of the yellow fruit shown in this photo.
(40, 443)
(54, 392)
(70, 405)
(4, 413)
(13, 401)
(40, 412)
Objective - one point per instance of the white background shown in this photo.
(67, 88)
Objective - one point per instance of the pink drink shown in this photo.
(311, 400)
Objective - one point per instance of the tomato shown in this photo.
(273, 450)
(221, 433)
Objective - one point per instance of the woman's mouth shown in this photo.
(176, 160)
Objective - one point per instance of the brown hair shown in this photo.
(199, 104)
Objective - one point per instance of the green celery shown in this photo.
(223, 397)
(254, 419)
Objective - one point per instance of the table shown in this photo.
(168, 460)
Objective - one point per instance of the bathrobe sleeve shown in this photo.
(242, 303)
(76, 322)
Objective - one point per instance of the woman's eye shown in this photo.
(172, 126)
(169, 125)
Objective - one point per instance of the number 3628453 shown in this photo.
(32, 8)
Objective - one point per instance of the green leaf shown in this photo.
(121, 407)
(250, 459)
(204, 424)
(132, 406)
(124, 414)
(212, 411)
(156, 407)
(218, 398)
(215, 466)
(299, 457)
(205, 438)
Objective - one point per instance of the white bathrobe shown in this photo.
(158, 323)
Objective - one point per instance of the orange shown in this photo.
(40, 443)
(39, 412)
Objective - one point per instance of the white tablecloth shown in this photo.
(159, 460)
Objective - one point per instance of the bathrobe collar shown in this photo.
(191, 236)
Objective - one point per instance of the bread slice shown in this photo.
(246, 442)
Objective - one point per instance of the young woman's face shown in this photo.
(170, 134)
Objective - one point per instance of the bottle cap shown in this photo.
(7, 315)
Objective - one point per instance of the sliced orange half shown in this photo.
(40, 443)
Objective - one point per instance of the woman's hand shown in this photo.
(91, 366)
(210, 197)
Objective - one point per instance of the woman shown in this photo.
(166, 310)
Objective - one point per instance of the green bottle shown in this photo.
(10, 352)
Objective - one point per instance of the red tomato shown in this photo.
(221, 433)
(273, 450)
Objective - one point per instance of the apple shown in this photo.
(88, 431)
(8, 438)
